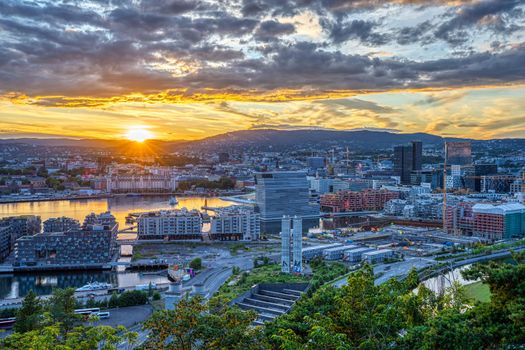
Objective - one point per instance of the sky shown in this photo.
(181, 69)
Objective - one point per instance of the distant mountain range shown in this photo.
(267, 139)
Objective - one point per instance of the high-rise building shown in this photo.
(291, 245)
(407, 158)
(417, 155)
(458, 153)
(283, 193)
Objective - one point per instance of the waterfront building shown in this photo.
(5, 242)
(62, 224)
(160, 183)
(102, 219)
(283, 193)
(291, 245)
(170, 225)
(87, 248)
(367, 200)
(235, 223)
(458, 153)
(14, 227)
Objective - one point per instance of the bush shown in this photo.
(196, 264)
(156, 296)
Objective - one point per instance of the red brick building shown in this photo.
(365, 200)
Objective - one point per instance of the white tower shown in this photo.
(297, 235)
(285, 244)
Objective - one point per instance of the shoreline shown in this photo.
(119, 195)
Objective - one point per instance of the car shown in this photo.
(103, 314)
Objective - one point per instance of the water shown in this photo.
(120, 207)
(15, 286)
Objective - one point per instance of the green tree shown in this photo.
(61, 307)
(30, 315)
(196, 264)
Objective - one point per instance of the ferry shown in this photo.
(94, 286)
(173, 201)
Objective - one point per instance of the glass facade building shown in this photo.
(284, 193)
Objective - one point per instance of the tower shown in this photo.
(297, 235)
(291, 245)
(285, 244)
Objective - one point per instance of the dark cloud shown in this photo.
(96, 49)
(494, 14)
(271, 30)
(357, 29)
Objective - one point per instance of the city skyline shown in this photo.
(173, 70)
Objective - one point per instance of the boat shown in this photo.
(93, 286)
(173, 201)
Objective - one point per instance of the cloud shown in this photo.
(96, 53)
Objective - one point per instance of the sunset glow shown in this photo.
(138, 134)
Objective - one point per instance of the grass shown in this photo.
(238, 284)
(478, 291)
(246, 280)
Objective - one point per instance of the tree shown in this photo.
(178, 325)
(61, 307)
(196, 264)
(29, 316)
(50, 337)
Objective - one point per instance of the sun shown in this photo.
(138, 134)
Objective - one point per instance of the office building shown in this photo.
(291, 245)
(377, 255)
(458, 153)
(336, 253)
(504, 221)
(283, 193)
(170, 225)
(407, 158)
(62, 224)
(315, 163)
(317, 251)
(367, 200)
(356, 254)
(81, 249)
(235, 223)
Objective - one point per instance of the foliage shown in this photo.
(84, 338)
(224, 183)
(196, 264)
(194, 325)
(30, 315)
(61, 308)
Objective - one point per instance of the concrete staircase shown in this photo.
(270, 300)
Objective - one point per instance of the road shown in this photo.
(397, 269)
